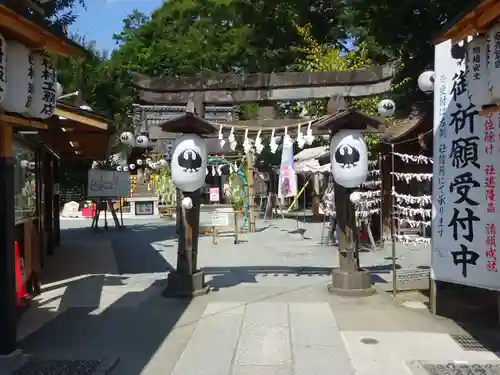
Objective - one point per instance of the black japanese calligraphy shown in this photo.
(466, 223)
(464, 151)
(459, 84)
(462, 184)
(464, 257)
(463, 117)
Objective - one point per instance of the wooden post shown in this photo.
(48, 213)
(56, 204)
(8, 319)
(251, 193)
(187, 280)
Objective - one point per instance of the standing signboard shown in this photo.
(466, 155)
(108, 184)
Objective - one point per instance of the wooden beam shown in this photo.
(488, 16)
(21, 121)
(13, 25)
(489, 110)
(81, 119)
(477, 20)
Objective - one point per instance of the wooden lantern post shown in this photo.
(187, 280)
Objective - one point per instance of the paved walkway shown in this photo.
(269, 312)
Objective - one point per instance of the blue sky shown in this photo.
(104, 18)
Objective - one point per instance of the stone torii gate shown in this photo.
(230, 89)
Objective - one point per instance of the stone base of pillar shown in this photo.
(185, 286)
(357, 284)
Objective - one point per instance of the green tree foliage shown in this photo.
(400, 30)
(188, 37)
(61, 11)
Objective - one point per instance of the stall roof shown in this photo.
(476, 18)
(24, 25)
(76, 133)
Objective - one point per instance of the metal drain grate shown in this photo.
(469, 343)
(66, 367)
(453, 368)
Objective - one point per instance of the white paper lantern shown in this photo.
(189, 162)
(44, 87)
(3, 68)
(149, 161)
(125, 168)
(349, 158)
(132, 167)
(127, 138)
(24, 164)
(426, 82)
(386, 107)
(142, 141)
(139, 162)
(20, 72)
(477, 71)
(119, 168)
(493, 64)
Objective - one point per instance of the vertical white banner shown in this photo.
(466, 155)
(287, 184)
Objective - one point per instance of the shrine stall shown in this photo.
(466, 150)
(28, 92)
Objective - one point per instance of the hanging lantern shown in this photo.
(139, 162)
(493, 64)
(142, 141)
(349, 158)
(132, 167)
(32, 165)
(127, 138)
(189, 161)
(386, 108)
(24, 164)
(125, 168)
(44, 87)
(119, 168)
(149, 161)
(3, 68)
(477, 71)
(426, 82)
(20, 72)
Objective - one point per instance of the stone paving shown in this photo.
(269, 312)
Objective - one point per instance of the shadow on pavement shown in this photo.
(130, 329)
(133, 248)
(226, 277)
